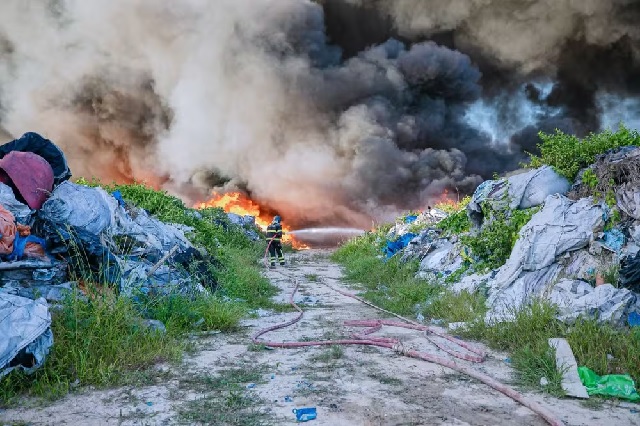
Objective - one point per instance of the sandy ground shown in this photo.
(353, 386)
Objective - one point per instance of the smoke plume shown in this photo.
(328, 112)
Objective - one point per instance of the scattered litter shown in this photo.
(149, 403)
(288, 399)
(410, 219)
(305, 414)
(507, 360)
(616, 385)
(251, 385)
(273, 376)
(544, 381)
(567, 366)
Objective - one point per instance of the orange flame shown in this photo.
(446, 200)
(240, 204)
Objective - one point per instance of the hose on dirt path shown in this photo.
(396, 345)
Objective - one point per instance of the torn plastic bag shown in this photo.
(521, 191)
(26, 333)
(80, 207)
(604, 303)
(630, 272)
(616, 385)
(33, 142)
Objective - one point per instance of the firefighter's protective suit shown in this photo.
(274, 239)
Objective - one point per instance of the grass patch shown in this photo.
(386, 380)
(392, 284)
(334, 352)
(99, 341)
(311, 277)
(182, 313)
(226, 399)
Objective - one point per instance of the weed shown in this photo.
(385, 380)
(182, 313)
(493, 243)
(334, 352)
(311, 277)
(99, 341)
(391, 285)
(462, 307)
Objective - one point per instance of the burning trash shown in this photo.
(236, 203)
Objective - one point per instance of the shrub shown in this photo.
(568, 154)
(493, 243)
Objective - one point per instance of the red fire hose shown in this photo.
(396, 345)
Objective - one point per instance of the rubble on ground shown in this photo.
(55, 233)
(564, 254)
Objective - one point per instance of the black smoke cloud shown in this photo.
(329, 112)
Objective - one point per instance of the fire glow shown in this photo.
(240, 204)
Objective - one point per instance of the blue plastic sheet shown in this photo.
(118, 196)
(634, 319)
(393, 247)
(410, 219)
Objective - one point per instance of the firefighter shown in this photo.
(274, 239)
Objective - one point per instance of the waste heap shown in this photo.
(56, 234)
(580, 238)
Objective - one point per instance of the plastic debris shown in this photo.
(567, 366)
(393, 247)
(633, 319)
(615, 385)
(614, 240)
(251, 385)
(26, 333)
(288, 399)
(305, 414)
(520, 191)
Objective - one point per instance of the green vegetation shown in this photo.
(568, 154)
(100, 338)
(493, 243)
(392, 284)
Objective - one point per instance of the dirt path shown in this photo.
(227, 380)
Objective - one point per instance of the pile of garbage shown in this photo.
(55, 235)
(565, 254)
